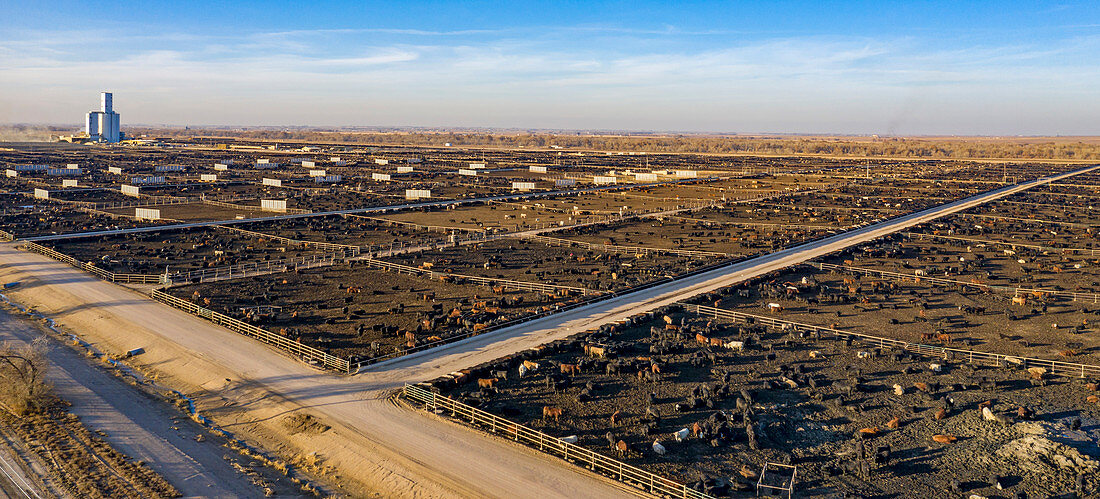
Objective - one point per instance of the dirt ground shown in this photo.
(812, 424)
(375, 318)
(178, 250)
(83, 463)
(47, 219)
(693, 235)
(351, 229)
(198, 212)
(522, 260)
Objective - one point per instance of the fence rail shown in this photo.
(234, 206)
(754, 224)
(487, 281)
(1015, 290)
(6, 236)
(146, 200)
(401, 223)
(346, 249)
(1054, 367)
(92, 269)
(554, 446)
(634, 250)
(257, 268)
(920, 236)
(304, 352)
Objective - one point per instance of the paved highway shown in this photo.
(405, 451)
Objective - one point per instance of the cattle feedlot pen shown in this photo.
(554, 446)
(1053, 367)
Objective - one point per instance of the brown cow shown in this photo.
(894, 423)
(940, 414)
(551, 412)
(703, 340)
(487, 382)
(616, 418)
(944, 439)
(622, 448)
(570, 369)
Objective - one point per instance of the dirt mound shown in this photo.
(304, 423)
(1043, 456)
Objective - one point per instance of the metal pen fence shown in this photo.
(554, 446)
(234, 206)
(920, 236)
(401, 223)
(306, 353)
(486, 281)
(146, 200)
(92, 269)
(1015, 290)
(754, 224)
(6, 236)
(346, 249)
(633, 250)
(1054, 367)
(558, 308)
(254, 269)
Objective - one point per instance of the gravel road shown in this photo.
(133, 422)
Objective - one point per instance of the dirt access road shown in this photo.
(133, 422)
(386, 450)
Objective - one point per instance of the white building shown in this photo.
(103, 125)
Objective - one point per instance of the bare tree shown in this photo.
(23, 387)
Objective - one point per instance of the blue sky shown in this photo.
(986, 68)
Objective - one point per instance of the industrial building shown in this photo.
(103, 125)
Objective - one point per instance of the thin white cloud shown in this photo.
(345, 77)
